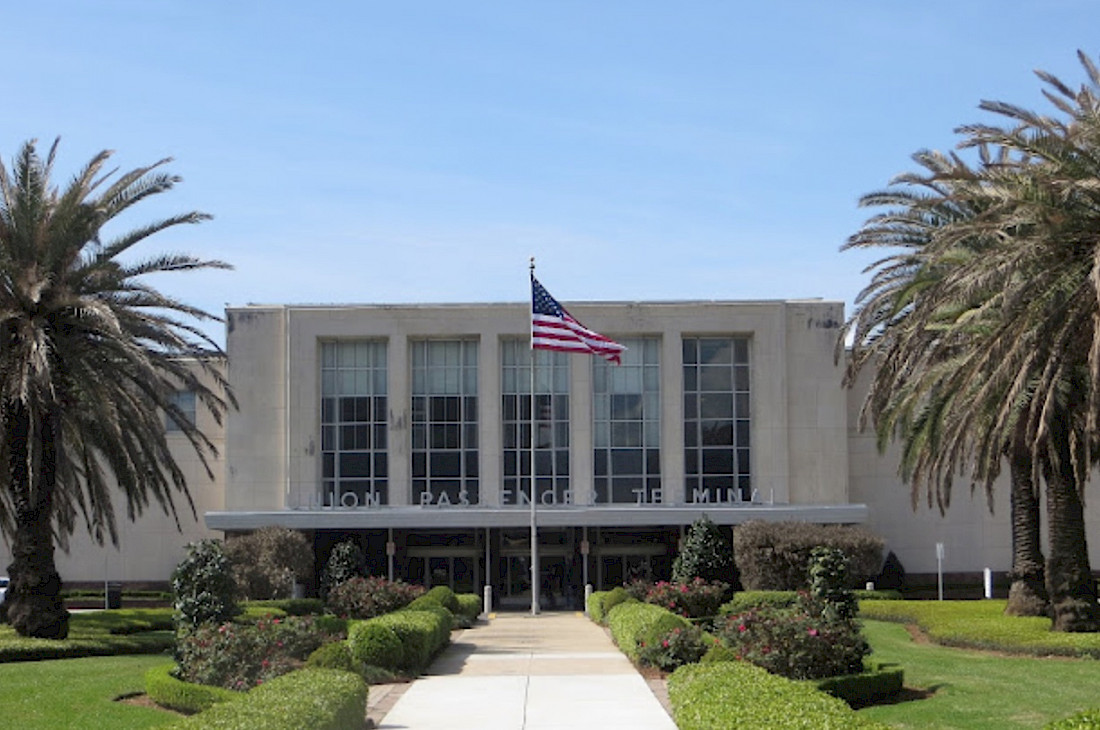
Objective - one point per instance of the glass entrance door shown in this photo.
(457, 572)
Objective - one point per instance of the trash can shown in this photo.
(114, 595)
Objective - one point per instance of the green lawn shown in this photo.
(77, 693)
(983, 625)
(977, 689)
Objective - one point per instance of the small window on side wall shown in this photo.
(184, 400)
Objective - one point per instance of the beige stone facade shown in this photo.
(798, 453)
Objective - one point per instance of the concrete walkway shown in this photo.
(557, 671)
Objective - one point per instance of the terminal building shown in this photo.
(409, 428)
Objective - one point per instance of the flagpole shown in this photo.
(534, 521)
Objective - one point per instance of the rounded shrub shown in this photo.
(614, 597)
(268, 562)
(469, 606)
(446, 619)
(630, 623)
(445, 597)
(373, 642)
(416, 637)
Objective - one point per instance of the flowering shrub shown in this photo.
(242, 656)
(638, 588)
(694, 599)
(362, 598)
(673, 649)
(796, 642)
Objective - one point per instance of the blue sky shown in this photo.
(423, 151)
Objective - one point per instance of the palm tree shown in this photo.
(915, 331)
(91, 357)
(1022, 311)
(1055, 220)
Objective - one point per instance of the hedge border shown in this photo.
(321, 699)
(188, 697)
(740, 696)
(631, 622)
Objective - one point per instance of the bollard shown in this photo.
(988, 575)
(486, 601)
(587, 595)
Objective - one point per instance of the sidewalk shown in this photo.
(556, 671)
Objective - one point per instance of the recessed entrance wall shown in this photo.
(467, 560)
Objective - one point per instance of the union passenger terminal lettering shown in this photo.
(548, 498)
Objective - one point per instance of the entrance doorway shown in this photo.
(459, 572)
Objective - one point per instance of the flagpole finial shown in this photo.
(532, 264)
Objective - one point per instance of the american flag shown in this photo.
(552, 328)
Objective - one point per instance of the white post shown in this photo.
(988, 575)
(486, 601)
(488, 584)
(939, 567)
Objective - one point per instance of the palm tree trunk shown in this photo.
(1027, 596)
(1070, 583)
(33, 604)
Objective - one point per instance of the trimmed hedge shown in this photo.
(427, 603)
(866, 688)
(879, 594)
(984, 625)
(187, 697)
(1084, 720)
(469, 607)
(740, 696)
(634, 622)
(775, 555)
(96, 633)
(321, 699)
(421, 633)
(335, 655)
(373, 642)
(748, 600)
(292, 606)
(752, 600)
(600, 603)
(438, 620)
(445, 597)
